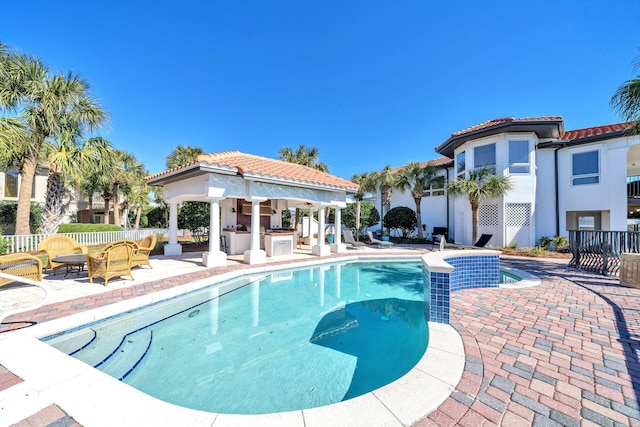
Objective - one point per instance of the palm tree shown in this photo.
(47, 103)
(91, 184)
(303, 155)
(626, 100)
(126, 172)
(306, 156)
(366, 184)
(182, 155)
(384, 181)
(69, 162)
(481, 184)
(417, 179)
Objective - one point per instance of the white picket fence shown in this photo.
(29, 242)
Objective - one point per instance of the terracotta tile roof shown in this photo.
(595, 131)
(497, 122)
(256, 166)
(436, 162)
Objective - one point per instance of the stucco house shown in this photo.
(562, 180)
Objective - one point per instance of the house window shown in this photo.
(485, 157)
(10, 184)
(460, 165)
(518, 156)
(585, 168)
(437, 189)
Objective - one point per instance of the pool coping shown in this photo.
(53, 377)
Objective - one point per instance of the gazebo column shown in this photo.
(321, 249)
(338, 246)
(173, 247)
(255, 255)
(215, 257)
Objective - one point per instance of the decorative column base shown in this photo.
(255, 257)
(214, 259)
(338, 248)
(321, 250)
(172, 250)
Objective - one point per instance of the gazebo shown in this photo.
(247, 194)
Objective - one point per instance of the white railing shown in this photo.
(29, 242)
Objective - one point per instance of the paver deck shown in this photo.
(563, 353)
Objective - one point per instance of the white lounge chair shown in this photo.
(349, 240)
(380, 243)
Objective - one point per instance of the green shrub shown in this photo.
(8, 211)
(538, 250)
(403, 219)
(556, 243)
(87, 228)
(4, 245)
(194, 216)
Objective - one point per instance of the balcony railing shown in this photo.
(600, 251)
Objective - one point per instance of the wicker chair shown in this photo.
(59, 245)
(21, 265)
(113, 261)
(141, 255)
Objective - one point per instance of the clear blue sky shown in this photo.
(368, 83)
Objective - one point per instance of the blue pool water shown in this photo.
(291, 340)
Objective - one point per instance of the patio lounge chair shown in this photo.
(483, 240)
(349, 240)
(59, 245)
(379, 243)
(141, 255)
(21, 265)
(113, 261)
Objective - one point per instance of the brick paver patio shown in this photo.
(563, 353)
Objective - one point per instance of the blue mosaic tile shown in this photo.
(482, 271)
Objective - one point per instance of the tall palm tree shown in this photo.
(48, 103)
(385, 180)
(481, 184)
(417, 179)
(182, 155)
(127, 171)
(70, 160)
(303, 155)
(366, 184)
(306, 156)
(93, 183)
(626, 99)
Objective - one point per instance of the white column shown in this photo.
(320, 249)
(173, 247)
(214, 257)
(255, 255)
(617, 189)
(338, 246)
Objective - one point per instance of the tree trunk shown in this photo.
(106, 209)
(54, 204)
(27, 175)
(358, 220)
(138, 214)
(91, 209)
(116, 205)
(418, 201)
(474, 222)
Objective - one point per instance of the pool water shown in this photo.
(287, 341)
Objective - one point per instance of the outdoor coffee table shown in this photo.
(73, 262)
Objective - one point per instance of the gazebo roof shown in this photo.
(256, 168)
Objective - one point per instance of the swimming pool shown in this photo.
(277, 342)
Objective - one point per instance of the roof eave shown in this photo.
(448, 147)
(298, 183)
(190, 170)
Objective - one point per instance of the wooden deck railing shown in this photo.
(29, 242)
(600, 251)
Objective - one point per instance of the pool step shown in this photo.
(99, 349)
(126, 357)
(73, 342)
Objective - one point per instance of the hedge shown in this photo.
(87, 228)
